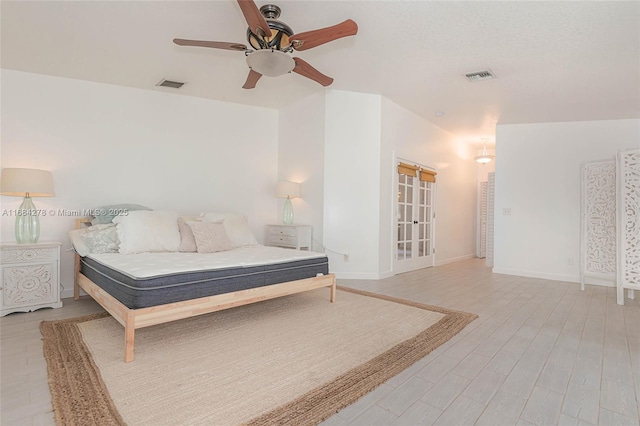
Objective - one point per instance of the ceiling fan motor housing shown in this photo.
(270, 11)
(280, 32)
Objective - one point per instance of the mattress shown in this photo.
(150, 279)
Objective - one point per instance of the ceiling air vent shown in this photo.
(169, 83)
(480, 75)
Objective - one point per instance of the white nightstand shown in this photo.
(29, 277)
(289, 236)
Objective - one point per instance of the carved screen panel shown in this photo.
(599, 220)
(629, 219)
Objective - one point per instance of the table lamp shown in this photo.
(288, 190)
(27, 183)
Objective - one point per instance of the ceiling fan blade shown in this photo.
(309, 39)
(254, 18)
(213, 44)
(303, 68)
(252, 79)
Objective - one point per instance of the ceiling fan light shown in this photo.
(483, 159)
(271, 63)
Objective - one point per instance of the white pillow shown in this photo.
(236, 227)
(148, 231)
(78, 243)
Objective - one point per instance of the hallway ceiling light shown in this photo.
(484, 157)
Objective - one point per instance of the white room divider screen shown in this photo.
(598, 242)
(610, 228)
(628, 206)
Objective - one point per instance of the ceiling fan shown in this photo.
(273, 41)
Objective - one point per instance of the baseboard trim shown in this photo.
(599, 281)
(66, 293)
(534, 274)
(455, 259)
(387, 274)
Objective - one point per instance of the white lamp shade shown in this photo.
(19, 182)
(288, 189)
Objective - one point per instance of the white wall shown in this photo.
(352, 183)
(111, 144)
(357, 138)
(411, 137)
(538, 178)
(301, 159)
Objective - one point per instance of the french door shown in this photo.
(415, 223)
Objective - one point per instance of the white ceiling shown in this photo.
(554, 61)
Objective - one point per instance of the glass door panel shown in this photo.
(414, 215)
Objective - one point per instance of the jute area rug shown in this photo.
(294, 360)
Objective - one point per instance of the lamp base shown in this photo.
(287, 212)
(27, 223)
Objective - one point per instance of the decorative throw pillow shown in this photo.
(211, 237)
(236, 227)
(101, 239)
(187, 240)
(95, 239)
(78, 243)
(105, 214)
(148, 231)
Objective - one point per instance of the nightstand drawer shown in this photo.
(290, 236)
(29, 255)
(282, 241)
(283, 231)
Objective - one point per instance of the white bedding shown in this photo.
(147, 265)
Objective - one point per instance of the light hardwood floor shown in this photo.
(541, 352)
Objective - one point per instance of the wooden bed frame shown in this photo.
(133, 319)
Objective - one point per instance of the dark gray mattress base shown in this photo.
(154, 291)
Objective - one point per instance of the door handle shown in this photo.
(415, 222)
